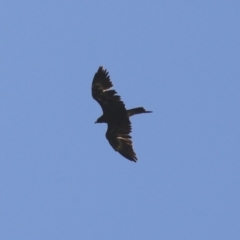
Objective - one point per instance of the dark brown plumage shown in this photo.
(114, 114)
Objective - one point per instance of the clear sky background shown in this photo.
(60, 178)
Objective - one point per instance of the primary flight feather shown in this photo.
(114, 114)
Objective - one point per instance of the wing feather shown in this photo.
(101, 93)
(120, 139)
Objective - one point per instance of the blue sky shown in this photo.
(59, 177)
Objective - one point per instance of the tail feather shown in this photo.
(138, 110)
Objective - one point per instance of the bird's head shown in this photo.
(101, 120)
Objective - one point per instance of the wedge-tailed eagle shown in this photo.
(114, 114)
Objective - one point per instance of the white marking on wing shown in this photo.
(104, 90)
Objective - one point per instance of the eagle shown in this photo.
(114, 114)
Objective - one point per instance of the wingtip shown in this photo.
(101, 68)
(132, 159)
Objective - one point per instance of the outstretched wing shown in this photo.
(119, 138)
(101, 93)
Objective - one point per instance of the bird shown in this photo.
(114, 114)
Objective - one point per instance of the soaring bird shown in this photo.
(114, 114)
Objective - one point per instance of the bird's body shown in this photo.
(114, 114)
